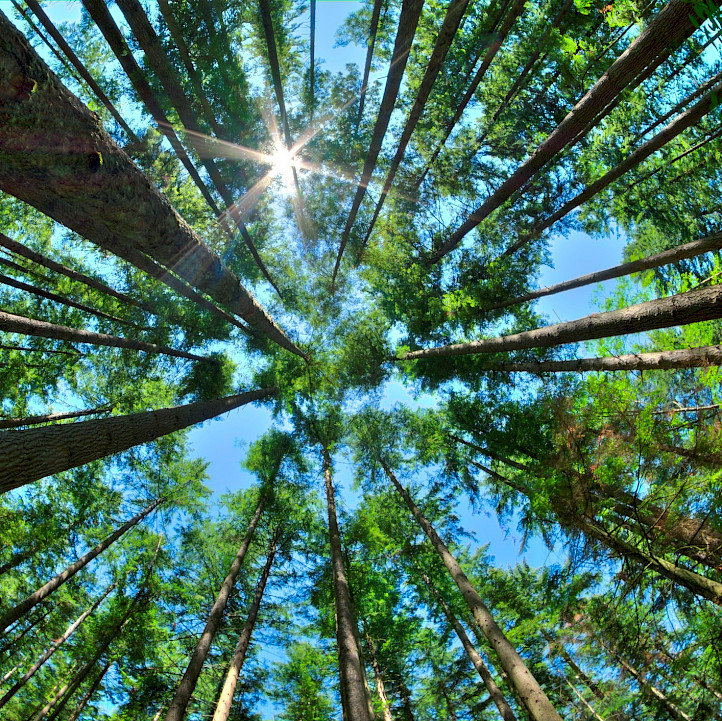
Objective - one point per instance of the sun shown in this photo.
(282, 163)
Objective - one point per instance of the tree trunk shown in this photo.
(89, 694)
(447, 32)
(177, 708)
(83, 180)
(50, 651)
(370, 44)
(379, 679)
(497, 696)
(693, 306)
(48, 418)
(665, 33)
(312, 58)
(558, 646)
(34, 453)
(223, 707)
(354, 691)
(13, 643)
(586, 703)
(44, 710)
(10, 323)
(681, 252)
(526, 686)
(50, 351)
(51, 586)
(408, 19)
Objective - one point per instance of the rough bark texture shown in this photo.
(409, 18)
(669, 28)
(55, 583)
(225, 700)
(31, 454)
(673, 255)
(55, 155)
(691, 307)
(177, 708)
(497, 696)
(523, 682)
(354, 692)
(52, 649)
(10, 323)
(447, 32)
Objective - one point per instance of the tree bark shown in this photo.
(13, 643)
(34, 453)
(312, 58)
(44, 710)
(558, 646)
(379, 679)
(76, 174)
(668, 29)
(370, 44)
(51, 586)
(50, 651)
(447, 32)
(48, 418)
(526, 686)
(408, 19)
(10, 323)
(177, 708)
(223, 707)
(89, 694)
(694, 306)
(497, 696)
(354, 691)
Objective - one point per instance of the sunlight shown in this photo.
(283, 163)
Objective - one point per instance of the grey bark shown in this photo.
(526, 686)
(177, 708)
(49, 418)
(693, 306)
(31, 454)
(370, 44)
(75, 715)
(379, 679)
(20, 609)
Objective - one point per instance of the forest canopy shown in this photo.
(212, 206)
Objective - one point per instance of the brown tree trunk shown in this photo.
(75, 715)
(81, 178)
(312, 58)
(668, 29)
(51, 586)
(379, 679)
(497, 696)
(50, 651)
(41, 621)
(59, 693)
(34, 453)
(521, 679)
(408, 19)
(354, 691)
(225, 700)
(177, 708)
(693, 306)
(48, 418)
(370, 44)
(10, 323)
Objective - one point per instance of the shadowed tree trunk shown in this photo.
(225, 700)
(34, 453)
(51, 586)
(41, 621)
(177, 708)
(693, 306)
(354, 691)
(48, 418)
(370, 44)
(379, 679)
(523, 682)
(89, 694)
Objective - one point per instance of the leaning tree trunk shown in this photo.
(569, 659)
(379, 679)
(225, 700)
(693, 306)
(86, 182)
(50, 651)
(370, 43)
(31, 454)
(51, 586)
(49, 418)
(354, 691)
(522, 680)
(177, 708)
(477, 661)
(14, 642)
(75, 715)
(10, 323)
(59, 693)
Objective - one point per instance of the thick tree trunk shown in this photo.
(177, 708)
(51, 586)
(225, 700)
(354, 691)
(10, 323)
(693, 306)
(49, 418)
(379, 679)
(667, 30)
(75, 715)
(447, 32)
(34, 453)
(370, 44)
(50, 651)
(408, 19)
(76, 174)
(681, 252)
(523, 682)
(505, 711)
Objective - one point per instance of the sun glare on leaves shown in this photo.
(283, 163)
